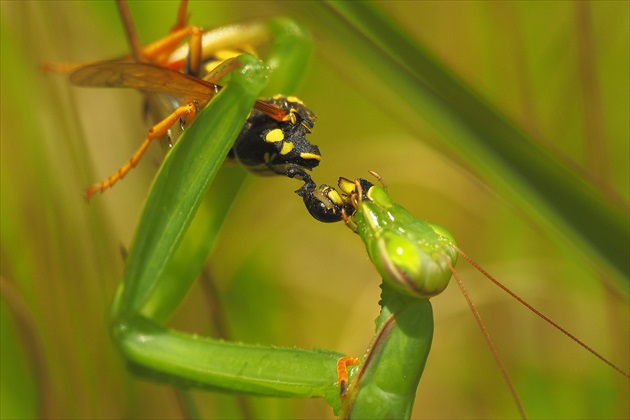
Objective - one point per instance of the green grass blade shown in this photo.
(289, 58)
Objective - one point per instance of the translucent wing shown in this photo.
(156, 79)
(274, 112)
(145, 77)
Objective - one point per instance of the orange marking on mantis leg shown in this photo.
(342, 373)
(188, 110)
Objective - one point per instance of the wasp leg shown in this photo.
(299, 173)
(130, 30)
(182, 17)
(193, 61)
(157, 52)
(188, 111)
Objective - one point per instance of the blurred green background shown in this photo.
(560, 70)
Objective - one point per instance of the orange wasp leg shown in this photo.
(194, 52)
(130, 30)
(188, 111)
(157, 53)
(342, 373)
(182, 17)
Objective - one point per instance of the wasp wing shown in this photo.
(145, 77)
(271, 110)
(155, 79)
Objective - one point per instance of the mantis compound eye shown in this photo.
(411, 255)
(408, 267)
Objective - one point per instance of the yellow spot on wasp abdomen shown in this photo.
(286, 148)
(274, 135)
(310, 156)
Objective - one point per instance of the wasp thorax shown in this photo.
(271, 143)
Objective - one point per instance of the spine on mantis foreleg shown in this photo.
(384, 384)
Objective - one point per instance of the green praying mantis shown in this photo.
(149, 293)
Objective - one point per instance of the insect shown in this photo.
(416, 260)
(280, 123)
(405, 195)
(273, 138)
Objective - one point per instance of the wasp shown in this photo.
(178, 81)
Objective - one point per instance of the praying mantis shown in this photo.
(255, 199)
